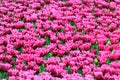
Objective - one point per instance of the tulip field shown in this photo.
(59, 39)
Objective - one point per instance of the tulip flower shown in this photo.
(59, 39)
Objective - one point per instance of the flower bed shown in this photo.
(60, 39)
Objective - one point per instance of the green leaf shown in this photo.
(68, 69)
(56, 32)
(4, 61)
(117, 60)
(112, 51)
(47, 40)
(99, 24)
(119, 42)
(108, 61)
(95, 46)
(62, 30)
(72, 23)
(108, 42)
(92, 12)
(49, 55)
(13, 15)
(22, 19)
(21, 49)
(104, 8)
(3, 75)
(95, 18)
(80, 71)
(35, 27)
(14, 58)
(50, 19)
(20, 30)
(94, 79)
(95, 6)
(112, 10)
(83, 32)
(64, 0)
(39, 37)
(24, 63)
(96, 62)
(62, 42)
(44, 46)
(15, 1)
(42, 68)
(109, 1)
(5, 52)
(66, 54)
(75, 31)
(14, 66)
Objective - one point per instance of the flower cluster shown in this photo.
(60, 39)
